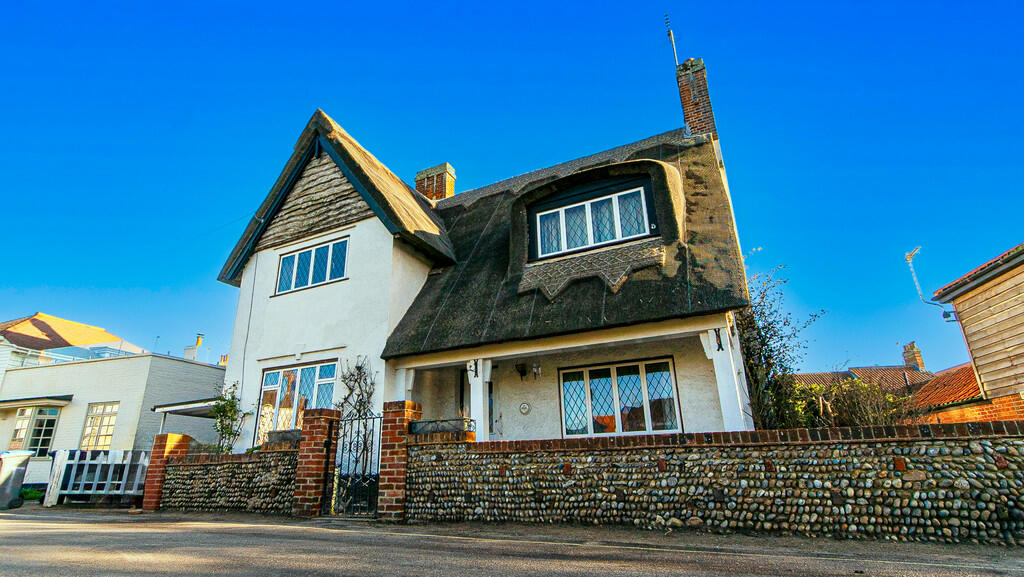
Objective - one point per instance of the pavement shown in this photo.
(39, 542)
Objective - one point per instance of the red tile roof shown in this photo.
(890, 379)
(42, 332)
(952, 385)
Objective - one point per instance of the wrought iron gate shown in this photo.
(357, 467)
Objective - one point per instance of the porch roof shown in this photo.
(50, 401)
(198, 408)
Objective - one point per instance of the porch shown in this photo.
(668, 377)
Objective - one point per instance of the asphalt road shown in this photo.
(37, 542)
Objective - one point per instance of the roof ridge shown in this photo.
(517, 182)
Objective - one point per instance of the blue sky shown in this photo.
(138, 139)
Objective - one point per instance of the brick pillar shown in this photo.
(165, 446)
(391, 498)
(315, 468)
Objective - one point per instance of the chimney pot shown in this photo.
(437, 182)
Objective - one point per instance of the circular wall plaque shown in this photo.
(524, 408)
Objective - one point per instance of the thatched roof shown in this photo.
(481, 299)
(403, 211)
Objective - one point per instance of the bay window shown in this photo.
(627, 398)
(312, 266)
(286, 393)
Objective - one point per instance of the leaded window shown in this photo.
(312, 266)
(287, 393)
(99, 426)
(638, 397)
(591, 223)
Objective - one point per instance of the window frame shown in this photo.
(25, 428)
(29, 434)
(311, 249)
(649, 222)
(98, 435)
(642, 365)
(317, 382)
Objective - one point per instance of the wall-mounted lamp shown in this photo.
(521, 369)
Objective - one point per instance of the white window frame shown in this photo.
(642, 364)
(590, 224)
(312, 254)
(99, 416)
(317, 383)
(23, 418)
(32, 417)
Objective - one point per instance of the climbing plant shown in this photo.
(228, 417)
(359, 382)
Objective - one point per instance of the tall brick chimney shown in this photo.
(693, 94)
(437, 182)
(912, 357)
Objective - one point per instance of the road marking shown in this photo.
(664, 549)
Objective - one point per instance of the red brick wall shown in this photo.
(693, 95)
(165, 446)
(1008, 408)
(393, 458)
(315, 469)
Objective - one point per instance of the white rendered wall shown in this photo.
(696, 387)
(339, 320)
(125, 380)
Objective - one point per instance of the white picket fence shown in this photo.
(96, 474)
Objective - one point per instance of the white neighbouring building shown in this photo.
(594, 297)
(65, 385)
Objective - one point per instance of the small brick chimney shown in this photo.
(912, 357)
(693, 94)
(437, 182)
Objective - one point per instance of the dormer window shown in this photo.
(591, 218)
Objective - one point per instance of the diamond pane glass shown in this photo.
(631, 399)
(325, 396)
(550, 233)
(575, 226)
(266, 421)
(307, 380)
(631, 215)
(602, 219)
(575, 398)
(302, 268)
(270, 380)
(327, 371)
(601, 401)
(286, 408)
(284, 279)
(320, 264)
(659, 391)
(338, 259)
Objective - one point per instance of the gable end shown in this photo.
(321, 199)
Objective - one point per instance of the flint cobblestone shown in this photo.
(926, 489)
(262, 482)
